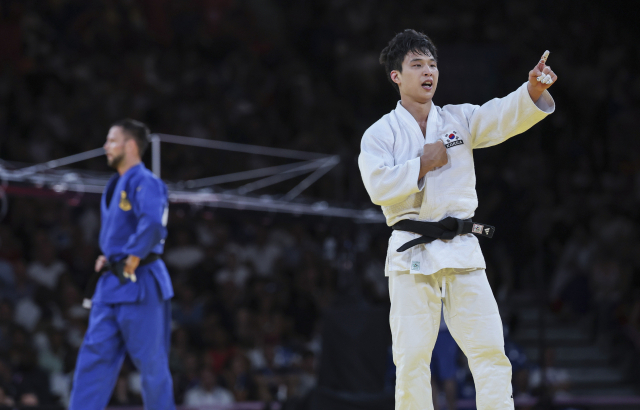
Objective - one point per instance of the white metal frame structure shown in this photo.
(201, 191)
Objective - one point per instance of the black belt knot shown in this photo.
(446, 229)
(117, 268)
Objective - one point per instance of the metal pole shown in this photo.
(155, 154)
(324, 168)
(236, 147)
(33, 169)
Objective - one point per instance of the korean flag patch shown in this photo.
(451, 139)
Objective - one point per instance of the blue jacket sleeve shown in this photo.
(150, 207)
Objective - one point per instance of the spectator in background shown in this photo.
(233, 271)
(634, 313)
(29, 379)
(56, 358)
(75, 326)
(27, 313)
(569, 283)
(7, 389)
(5, 400)
(207, 391)
(557, 379)
(89, 224)
(220, 349)
(607, 281)
(82, 261)
(6, 323)
(10, 246)
(29, 399)
(273, 376)
(188, 376)
(180, 347)
(378, 284)
(188, 311)
(519, 361)
(245, 327)
(23, 285)
(239, 378)
(46, 269)
(122, 394)
(263, 255)
(185, 254)
(306, 377)
(7, 279)
(69, 300)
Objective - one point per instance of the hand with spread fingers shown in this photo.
(541, 78)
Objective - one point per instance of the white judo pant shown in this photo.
(471, 313)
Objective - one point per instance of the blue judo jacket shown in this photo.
(134, 211)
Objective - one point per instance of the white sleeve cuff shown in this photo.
(545, 103)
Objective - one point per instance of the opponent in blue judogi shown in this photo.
(133, 317)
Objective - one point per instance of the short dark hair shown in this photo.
(137, 130)
(403, 43)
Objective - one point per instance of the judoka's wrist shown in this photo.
(426, 165)
(534, 93)
(132, 262)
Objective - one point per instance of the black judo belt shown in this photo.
(117, 268)
(448, 228)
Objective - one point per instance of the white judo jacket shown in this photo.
(389, 163)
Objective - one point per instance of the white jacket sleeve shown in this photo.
(502, 118)
(386, 182)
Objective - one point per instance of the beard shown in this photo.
(115, 161)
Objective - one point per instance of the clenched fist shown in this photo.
(434, 156)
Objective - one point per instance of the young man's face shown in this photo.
(419, 77)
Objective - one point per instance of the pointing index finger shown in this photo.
(545, 56)
(543, 60)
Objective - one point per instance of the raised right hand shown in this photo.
(434, 156)
(540, 78)
(100, 262)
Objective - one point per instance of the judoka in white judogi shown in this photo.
(449, 271)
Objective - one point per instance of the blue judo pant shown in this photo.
(141, 329)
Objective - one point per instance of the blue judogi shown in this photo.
(135, 317)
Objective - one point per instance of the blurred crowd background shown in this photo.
(251, 288)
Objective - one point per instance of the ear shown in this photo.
(131, 147)
(396, 76)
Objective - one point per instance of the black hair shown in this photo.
(403, 43)
(137, 130)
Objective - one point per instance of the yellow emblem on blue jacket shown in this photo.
(125, 205)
